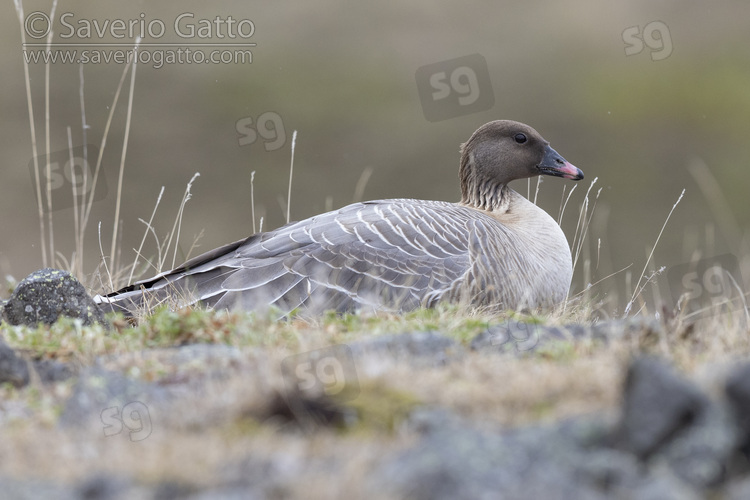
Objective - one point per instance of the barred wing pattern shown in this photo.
(393, 254)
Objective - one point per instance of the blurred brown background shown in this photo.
(344, 76)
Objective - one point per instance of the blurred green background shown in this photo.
(343, 75)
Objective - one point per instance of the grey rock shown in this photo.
(171, 490)
(658, 405)
(104, 487)
(737, 390)
(17, 370)
(205, 360)
(13, 368)
(267, 476)
(661, 487)
(738, 490)
(203, 353)
(417, 348)
(455, 459)
(47, 294)
(33, 489)
(118, 403)
(520, 337)
(226, 493)
(701, 453)
(50, 371)
(625, 328)
(107, 486)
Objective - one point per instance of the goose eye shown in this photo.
(520, 138)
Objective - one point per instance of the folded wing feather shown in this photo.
(394, 253)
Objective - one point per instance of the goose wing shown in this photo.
(398, 254)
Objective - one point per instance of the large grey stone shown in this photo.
(455, 459)
(47, 294)
(658, 405)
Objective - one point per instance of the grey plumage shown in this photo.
(494, 248)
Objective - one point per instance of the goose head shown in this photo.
(502, 151)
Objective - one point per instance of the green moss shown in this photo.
(450, 320)
(68, 338)
(380, 408)
(543, 409)
(558, 350)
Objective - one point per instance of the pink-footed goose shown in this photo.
(494, 248)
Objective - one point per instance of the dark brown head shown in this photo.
(503, 151)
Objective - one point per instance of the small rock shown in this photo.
(46, 295)
(700, 455)
(738, 393)
(103, 487)
(267, 475)
(53, 371)
(13, 368)
(658, 406)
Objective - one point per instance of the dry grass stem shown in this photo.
(252, 198)
(84, 134)
(637, 290)
(32, 127)
(47, 138)
(116, 222)
(178, 221)
(291, 173)
(76, 222)
(359, 188)
(145, 233)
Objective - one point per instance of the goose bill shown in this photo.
(554, 164)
